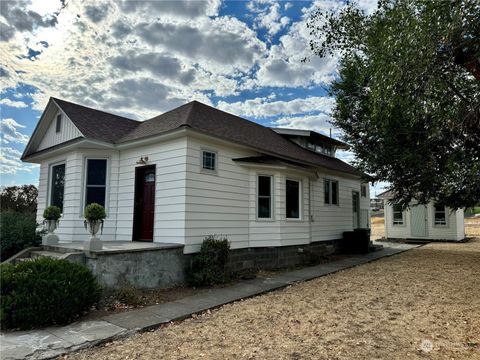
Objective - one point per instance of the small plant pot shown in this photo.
(50, 238)
(93, 227)
(50, 225)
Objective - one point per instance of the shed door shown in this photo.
(419, 221)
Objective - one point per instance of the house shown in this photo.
(429, 222)
(192, 172)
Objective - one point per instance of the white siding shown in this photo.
(68, 131)
(216, 203)
(330, 221)
(170, 160)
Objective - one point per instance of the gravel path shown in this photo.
(423, 304)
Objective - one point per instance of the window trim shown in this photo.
(445, 211)
(393, 217)
(208, 171)
(49, 184)
(272, 187)
(300, 203)
(84, 182)
(58, 123)
(363, 187)
(330, 196)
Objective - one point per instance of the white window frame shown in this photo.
(209, 171)
(300, 203)
(272, 187)
(362, 187)
(330, 196)
(58, 123)
(49, 184)
(84, 182)
(434, 217)
(393, 217)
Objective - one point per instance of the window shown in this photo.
(292, 199)
(330, 191)
(264, 210)
(209, 160)
(96, 183)
(440, 215)
(57, 186)
(364, 190)
(397, 214)
(58, 125)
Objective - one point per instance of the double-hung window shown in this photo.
(397, 214)
(363, 190)
(292, 199)
(209, 161)
(330, 191)
(57, 186)
(440, 215)
(264, 201)
(96, 181)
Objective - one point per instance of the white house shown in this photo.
(430, 222)
(192, 172)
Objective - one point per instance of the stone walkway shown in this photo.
(50, 342)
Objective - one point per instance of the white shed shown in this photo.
(430, 222)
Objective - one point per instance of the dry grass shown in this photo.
(381, 310)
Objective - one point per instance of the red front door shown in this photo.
(144, 203)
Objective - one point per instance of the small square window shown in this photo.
(58, 125)
(209, 159)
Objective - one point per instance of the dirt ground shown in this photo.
(421, 304)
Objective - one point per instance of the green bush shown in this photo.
(52, 212)
(18, 231)
(45, 292)
(94, 212)
(209, 266)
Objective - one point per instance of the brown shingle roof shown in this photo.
(96, 124)
(202, 118)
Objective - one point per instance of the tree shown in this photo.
(19, 199)
(408, 94)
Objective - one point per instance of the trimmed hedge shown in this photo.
(45, 292)
(209, 266)
(18, 231)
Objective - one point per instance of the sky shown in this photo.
(141, 58)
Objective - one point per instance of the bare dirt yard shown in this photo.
(421, 304)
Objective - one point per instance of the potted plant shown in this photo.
(94, 215)
(51, 215)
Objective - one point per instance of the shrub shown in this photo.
(94, 212)
(209, 266)
(52, 213)
(17, 232)
(45, 292)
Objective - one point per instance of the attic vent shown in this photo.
(58, 125)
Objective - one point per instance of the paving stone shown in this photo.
(20, 344)
(86, 331)
(136, 319)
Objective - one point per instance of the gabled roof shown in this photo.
(96, 124)
(99, 125)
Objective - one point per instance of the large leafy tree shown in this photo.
(21, 199)
(408, 93)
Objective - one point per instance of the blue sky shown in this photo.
(139, 59)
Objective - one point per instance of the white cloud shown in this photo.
(15, 104)
(269, 17)
(9, 132)
(265, 107)
(318, 122)
(10, 162)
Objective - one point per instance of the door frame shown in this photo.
(140, 170)
(356, 193)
